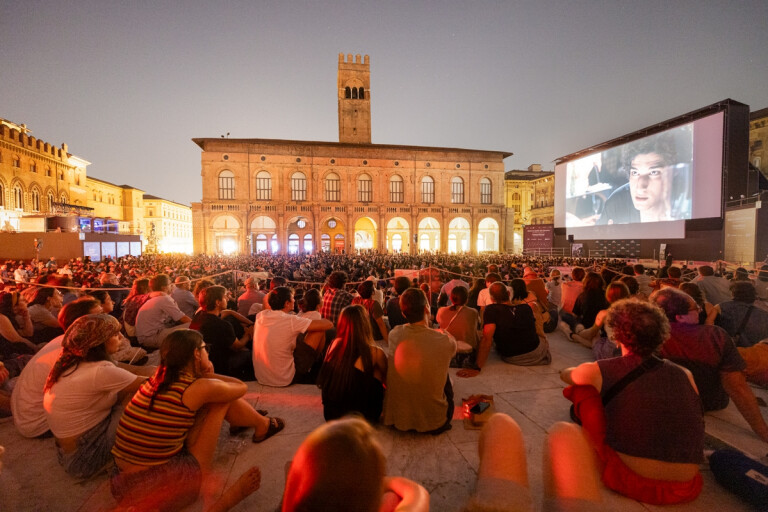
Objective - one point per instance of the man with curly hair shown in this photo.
(641, 414)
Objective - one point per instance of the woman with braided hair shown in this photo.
(85, 394)
(167, 436)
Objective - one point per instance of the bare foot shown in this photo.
(246, 485)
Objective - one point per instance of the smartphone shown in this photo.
(479, 408)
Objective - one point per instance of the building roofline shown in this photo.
(757, 114)
(202, 141)
(113, 184)
(155, 198)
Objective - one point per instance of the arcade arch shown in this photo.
(332, 235)
(225, 229)
(487, 235)
(429, 234)
(398, 235)
(458, 235)
(263, 228)
(365, 234)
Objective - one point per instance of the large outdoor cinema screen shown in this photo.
(645, 188)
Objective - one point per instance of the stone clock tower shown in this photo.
(354, 100)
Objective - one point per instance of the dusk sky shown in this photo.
(127, 84)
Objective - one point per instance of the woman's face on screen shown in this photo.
(648, 175)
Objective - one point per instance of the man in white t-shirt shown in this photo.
(643, 280)
(279, 359)
(160, 315)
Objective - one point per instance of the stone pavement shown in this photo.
(446, 464)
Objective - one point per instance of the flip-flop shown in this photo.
(275, 426)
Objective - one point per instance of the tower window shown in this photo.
(354, 93)
(361, 94)
(347, 93)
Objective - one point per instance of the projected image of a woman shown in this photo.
(647, 197)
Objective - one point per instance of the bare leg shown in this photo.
(570, 470)
(241, 414)
(204, 434)
(502, 480)
(247, 484)
(502, 451)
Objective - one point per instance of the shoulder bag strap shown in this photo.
(454, 317)
(648, 364)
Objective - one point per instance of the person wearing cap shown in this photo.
(183, 296)
(85, 394)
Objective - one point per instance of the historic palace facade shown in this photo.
(286, 196)
(36, 178)
(530, 199)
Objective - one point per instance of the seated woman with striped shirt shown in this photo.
(167, 435)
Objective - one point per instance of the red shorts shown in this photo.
(588, 406)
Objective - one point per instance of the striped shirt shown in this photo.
(151, 438)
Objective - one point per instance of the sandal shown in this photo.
(275, 426)
(233, 430)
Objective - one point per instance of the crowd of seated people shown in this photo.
(389, 364)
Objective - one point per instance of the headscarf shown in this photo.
(85, 333)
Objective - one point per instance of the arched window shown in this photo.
(35, 200)
(354, 93)
(515, 196)
(396, 192)
(361, 94)
(364, 188)
(347, 93)
(18, 197)
(16, 162)
(298, 187)
(226, 185)
(51, 200)
(263, 186)
(457, 190)
(48, 172)
(485, 191)
(332, 188)
(308, 243)
(63, 199)
(427, 190)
